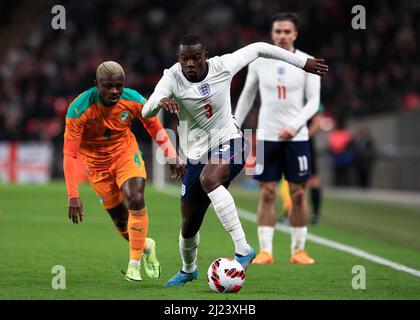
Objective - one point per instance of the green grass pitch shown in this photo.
(36, 234)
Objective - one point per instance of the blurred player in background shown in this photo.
(98, 127)
(289, 98)
(314, 183)
(284, 193)
(198, 90)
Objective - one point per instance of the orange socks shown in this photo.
(138, 224)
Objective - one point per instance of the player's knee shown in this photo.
(268, 194)
(298, 197)
(210, 182)
(136, 201)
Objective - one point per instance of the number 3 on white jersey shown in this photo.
(303, 163)
(209, 110)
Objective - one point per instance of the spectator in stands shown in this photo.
(363, 156)
(340, 145)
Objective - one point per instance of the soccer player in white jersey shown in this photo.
(197, 89)
(289, 98)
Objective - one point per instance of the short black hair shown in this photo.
(190, 39)
(286, 16)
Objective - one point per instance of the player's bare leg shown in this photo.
(119, 216)
(214, 176)
(298, 223)
(189, 240)
(137, 226)
(266, 221)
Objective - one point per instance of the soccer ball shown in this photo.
(226, 275)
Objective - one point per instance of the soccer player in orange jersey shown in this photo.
(98, 127)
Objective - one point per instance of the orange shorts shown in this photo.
(107, 183)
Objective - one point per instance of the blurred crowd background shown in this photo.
(373, 72)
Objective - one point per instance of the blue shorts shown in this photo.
(234, 151)
(291, 158)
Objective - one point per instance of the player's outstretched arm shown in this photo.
(163, 90)
(312, 97)
(247, 97)
(75, 207)
(242, 57)
(155, 129)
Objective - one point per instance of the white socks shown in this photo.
(265, 237)
(188, 250)
(298, 235)
(225, 208)
(134, 262)
(298, 238)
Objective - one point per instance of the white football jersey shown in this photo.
(288, 95)
(205, 117)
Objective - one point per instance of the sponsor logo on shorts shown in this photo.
(183, 188)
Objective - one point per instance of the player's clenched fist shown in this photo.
(287, 132)
(177, 167)
(316, 66)
(169, 105)
(76, 210)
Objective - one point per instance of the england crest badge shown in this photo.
(281, 71)
(204, 89)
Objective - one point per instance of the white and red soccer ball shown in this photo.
(226, 275)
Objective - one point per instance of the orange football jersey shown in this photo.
(105, 132)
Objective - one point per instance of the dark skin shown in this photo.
(192, 59)
(110, 87)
